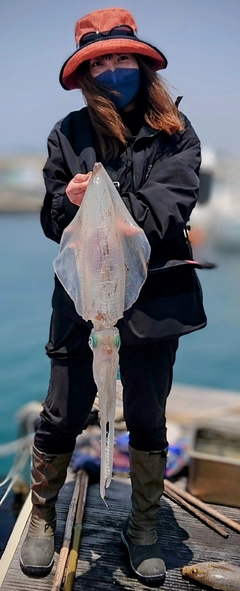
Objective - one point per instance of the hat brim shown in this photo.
(68, 76)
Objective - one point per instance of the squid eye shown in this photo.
(93, 341)
(117, 340)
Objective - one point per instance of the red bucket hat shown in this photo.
(112, 30)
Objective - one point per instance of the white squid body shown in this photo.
(102, 265)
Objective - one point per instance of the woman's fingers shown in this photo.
(77, 187)
(127, 229)
(79, 178)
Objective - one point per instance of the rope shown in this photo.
(14, 446)
(15, 472)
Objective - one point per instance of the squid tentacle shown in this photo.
(105, 345)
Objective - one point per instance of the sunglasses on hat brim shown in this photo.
(119, 31)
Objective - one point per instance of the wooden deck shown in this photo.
(103, 563)
(188, 404)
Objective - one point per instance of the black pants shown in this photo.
(146, 376)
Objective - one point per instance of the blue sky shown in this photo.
(200, 38)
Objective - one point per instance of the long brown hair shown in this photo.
(155, 105)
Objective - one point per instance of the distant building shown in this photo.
(21, 183)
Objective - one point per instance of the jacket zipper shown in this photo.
(148, 172)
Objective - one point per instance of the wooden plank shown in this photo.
(14, 538)
(103, 564)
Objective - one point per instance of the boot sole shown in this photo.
(36, 571)
(154, 580)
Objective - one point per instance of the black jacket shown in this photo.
(160, 189)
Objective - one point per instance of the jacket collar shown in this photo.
(146, 132)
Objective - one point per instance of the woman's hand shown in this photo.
(77, 187)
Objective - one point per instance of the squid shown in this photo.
(102, 264)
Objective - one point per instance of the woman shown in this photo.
(151, 152)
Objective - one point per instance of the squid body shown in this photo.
(102, 264)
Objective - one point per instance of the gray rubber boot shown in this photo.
(48, 476)
(139, 534)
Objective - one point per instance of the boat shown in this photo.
(216, 217)
(101, 562)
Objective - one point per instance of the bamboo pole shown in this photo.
(57, 582)
(73, 556)
(198, 503)
(176, 497)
